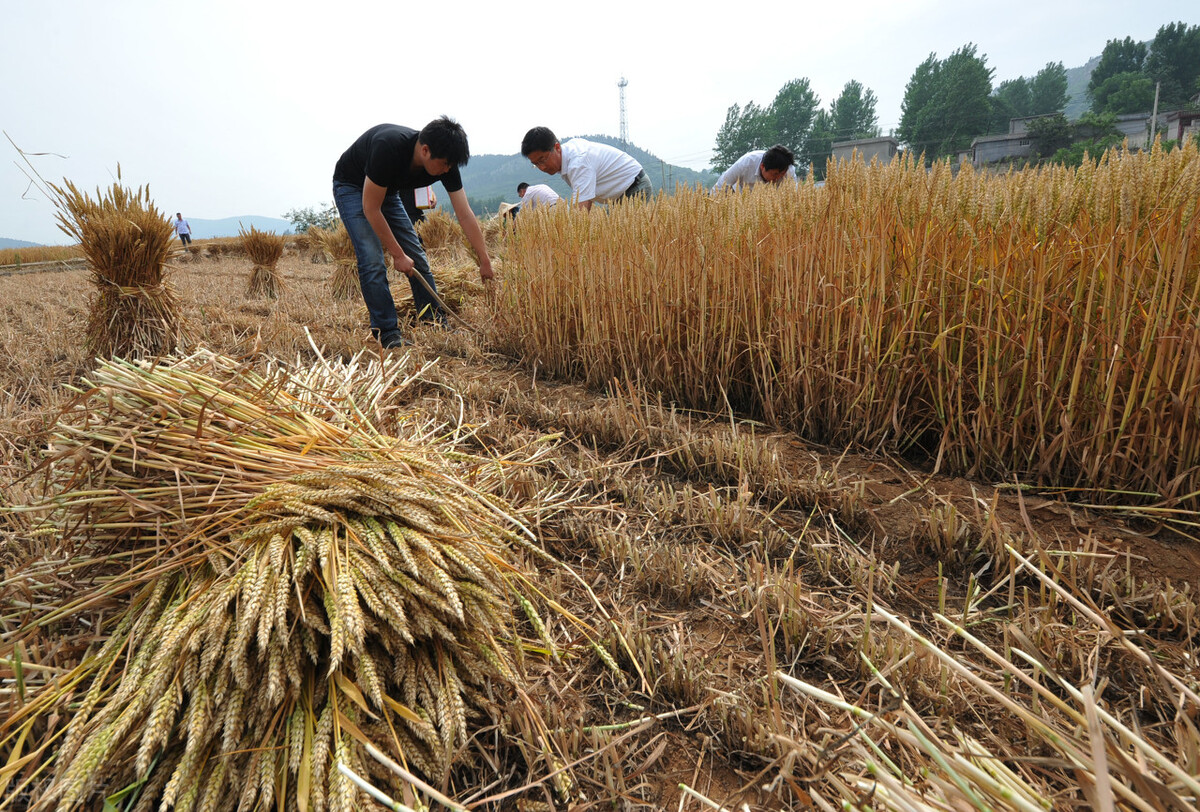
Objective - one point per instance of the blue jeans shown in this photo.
(372, 264)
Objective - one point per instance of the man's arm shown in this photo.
(372, 203)
(470, 227)
(732, 177)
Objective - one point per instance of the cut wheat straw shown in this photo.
(300, 585)
(127, 242)
(337, 247)
(264, 249)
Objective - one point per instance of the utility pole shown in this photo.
(624, 124)
(1153, 119)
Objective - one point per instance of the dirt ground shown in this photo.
(722, 550)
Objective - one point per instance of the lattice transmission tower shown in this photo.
(621, 85)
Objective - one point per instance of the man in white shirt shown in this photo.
(596, 173)
(183, 229)
(769, 165)
(537, 195)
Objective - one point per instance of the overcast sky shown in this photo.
(236, 108)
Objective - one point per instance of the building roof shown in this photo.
(877, 140)
(990, 139)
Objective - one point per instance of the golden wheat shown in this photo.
(126, 241)
(1040, 324)
(264, 249)
(395, 554)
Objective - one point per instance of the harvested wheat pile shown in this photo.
(264, 248)
(127, 241)
(440, 232)
(298, 584)
(336, 245)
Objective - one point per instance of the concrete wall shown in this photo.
(993, 148)
(884, 149)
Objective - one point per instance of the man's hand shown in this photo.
(485, 269)
(404, 263)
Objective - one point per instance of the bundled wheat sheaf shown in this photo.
(264, 249)
(323, 586)
(338, 248)
(439, 232)
(126, 241)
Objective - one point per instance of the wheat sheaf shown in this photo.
(299, 585)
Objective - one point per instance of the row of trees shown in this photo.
(795, 118)
(950, 102)
(1128, 72)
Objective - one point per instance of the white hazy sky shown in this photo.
(236, 108)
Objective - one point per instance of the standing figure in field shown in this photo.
(533, 196)
(183, 229)
(368, 181)
(758, 166)
(595, 172)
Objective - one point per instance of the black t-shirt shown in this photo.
(384, 154)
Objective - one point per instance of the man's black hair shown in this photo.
(522, 186)
(539, 139)
(778, 157)
(446, 140)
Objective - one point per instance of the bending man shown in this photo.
(759, 166)
(595, 172)
(367, 181)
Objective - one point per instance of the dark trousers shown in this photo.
(372, 262)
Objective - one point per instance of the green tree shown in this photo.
(1048, 90)
(1118, 56)
(1011, 99)
(1124, 93)
(850, 116)
(1174, 61)
(947, 103)
(916, 106)
(1093, 134)
(1049, 134)
(792, 114)
(324, 216)
(818, 144)
(853, 113)
(744, 129)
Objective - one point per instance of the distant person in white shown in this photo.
(769, 165)
(183, 229)
(537, 195)
(596, 173)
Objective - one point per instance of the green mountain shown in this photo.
(1078, 102)
(7, 242)
(492, 179)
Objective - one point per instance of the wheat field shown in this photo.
(876, 496)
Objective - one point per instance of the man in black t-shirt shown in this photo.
(367, 183)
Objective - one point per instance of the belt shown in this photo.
(636, 180)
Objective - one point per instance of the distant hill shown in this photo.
(492, 179)
(1077, 82)
(229, 226)
(5, 242)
